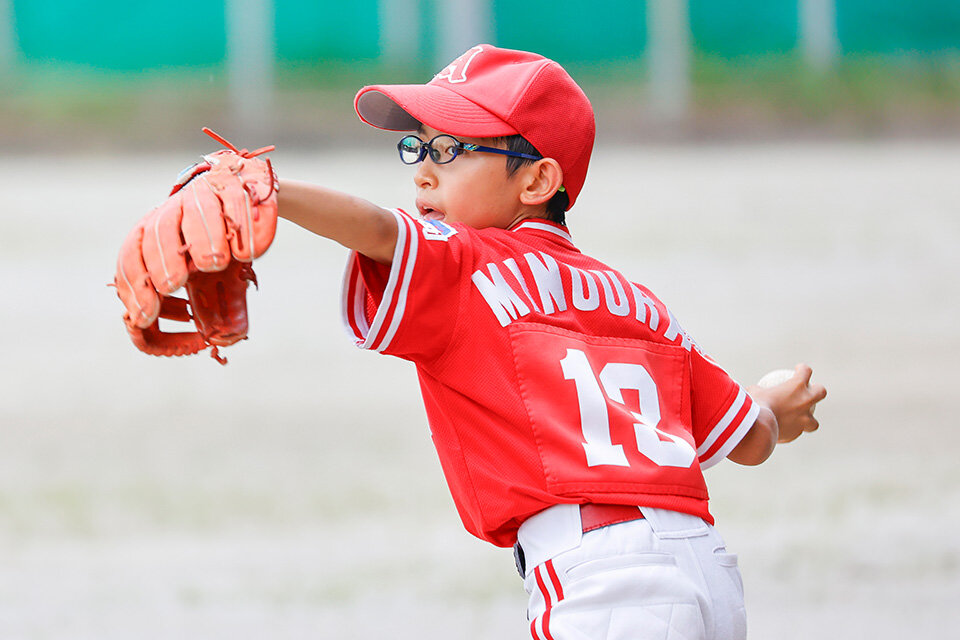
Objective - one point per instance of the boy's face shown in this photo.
(473, 189)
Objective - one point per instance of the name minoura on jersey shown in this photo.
(547, 376)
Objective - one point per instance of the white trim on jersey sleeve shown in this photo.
(374, 335)
(717, 431)
(359, 313)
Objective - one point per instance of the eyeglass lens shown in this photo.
(442, 149)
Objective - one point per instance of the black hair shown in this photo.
(560, 202)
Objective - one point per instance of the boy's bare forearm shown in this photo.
(760, 441)
(353, 222)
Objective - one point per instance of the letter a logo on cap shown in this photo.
(456, 71)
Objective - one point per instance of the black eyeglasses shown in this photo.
(444, 148)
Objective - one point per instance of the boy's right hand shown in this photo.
(792, 402)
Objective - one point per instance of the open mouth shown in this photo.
(429, 213)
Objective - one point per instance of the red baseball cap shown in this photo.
(492, 92)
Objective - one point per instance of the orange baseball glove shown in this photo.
(219, 217)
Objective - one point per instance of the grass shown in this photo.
(53, 105)
(865, 89)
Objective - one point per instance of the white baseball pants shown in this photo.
(667, 576)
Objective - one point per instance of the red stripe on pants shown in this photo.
(548, 603)
(555, 580)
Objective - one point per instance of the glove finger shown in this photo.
(133, 283)
(238, 212)
(265, 222)
(246, 189)
(163, 247)
(259, 178)
(203, 227)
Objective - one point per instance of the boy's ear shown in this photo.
(543, 178)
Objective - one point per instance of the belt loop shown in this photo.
(674, 524)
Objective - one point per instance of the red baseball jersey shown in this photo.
(547, 376)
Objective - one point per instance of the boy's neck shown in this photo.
(529, 212)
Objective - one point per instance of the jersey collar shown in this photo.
(543, 225)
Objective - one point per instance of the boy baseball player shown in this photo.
(572, 414)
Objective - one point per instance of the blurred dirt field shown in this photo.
(295, 494)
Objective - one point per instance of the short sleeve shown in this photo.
(722, 411)
(410, 307)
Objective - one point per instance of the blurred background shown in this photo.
(783, 173)
(102, 73)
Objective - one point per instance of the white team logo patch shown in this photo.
(436, 230)
(456, 71)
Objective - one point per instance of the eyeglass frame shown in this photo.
(457, 148)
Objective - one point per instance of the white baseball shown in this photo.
(775, 377)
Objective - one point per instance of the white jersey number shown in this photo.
(614, 378)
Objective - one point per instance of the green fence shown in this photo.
(902, 27)
(126, 36)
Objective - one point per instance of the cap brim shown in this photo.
(404, 107)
